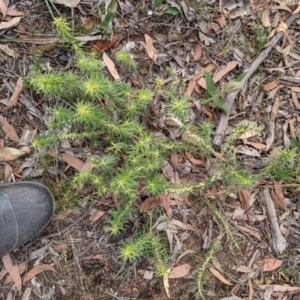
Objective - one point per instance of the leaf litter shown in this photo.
(248, 216)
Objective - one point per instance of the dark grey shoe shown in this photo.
(26, 208)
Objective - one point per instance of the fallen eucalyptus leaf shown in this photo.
(10, 154)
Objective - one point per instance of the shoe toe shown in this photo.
(29, 208)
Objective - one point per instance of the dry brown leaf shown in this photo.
(61, 247)
(13, 270)
(11, 23)
(297, 73)
(275, 107)
(243, 269)
(285, 52)
(97, 215)
(10, 154)
(294, 88)
(103, 45)
(217, 274)
(68, 3)
(188, 226)
(296, 10)
(280, 288)
(192, 159)
(282, 70)
(9, 129)
(251, 290)
(282, 27)
(278, 201)
(295, 100)
(230, 66)
(221, 21)
(44, 47)
(36, 270)
(271, 85)
(13, 101)
(190, 88)
(14, 13)
(265, 18)
(9, 279)
(186, 200)
(282, 7)
(111, 66)
(244, 198)
(73, 161)
(208, 113)
(149, 204)
(165, 203)
(256, 145)
(88, 23)
(3, 8)
(180, 271)
(275, 21)
(198, 52)
(269, 264)
(63, 215)
(7, 50)
(149, 47)
(208, 69)
(251, 231)
(167, 286)
(148, 275)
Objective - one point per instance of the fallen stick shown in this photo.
(278, 240)
(222, 126)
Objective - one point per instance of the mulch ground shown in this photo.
(187, 36)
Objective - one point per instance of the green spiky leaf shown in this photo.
(210, 85)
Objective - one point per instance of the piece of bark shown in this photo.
(222, 126)
(278, 240)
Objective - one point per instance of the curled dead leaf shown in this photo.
(3, 8)
(221, 21)
(217, 274)
(251, 231)
(9, 129)
(10, 154)
(111, 66)
(150, 48)
(7, 50)
(13, 270)
(265, 18)
(269, 264)
(11, 23)
(97, 215)
(36, 270)
(15, 96)
(9, 279)
(271, 85)
(103, 45)
(61, 247)
(180, 271)
(73, 161)
(280, 288)
(198, 52)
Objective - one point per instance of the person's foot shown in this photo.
(26, 208)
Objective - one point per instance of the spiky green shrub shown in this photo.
(125, 58)
(113, 117)
(201, 272)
